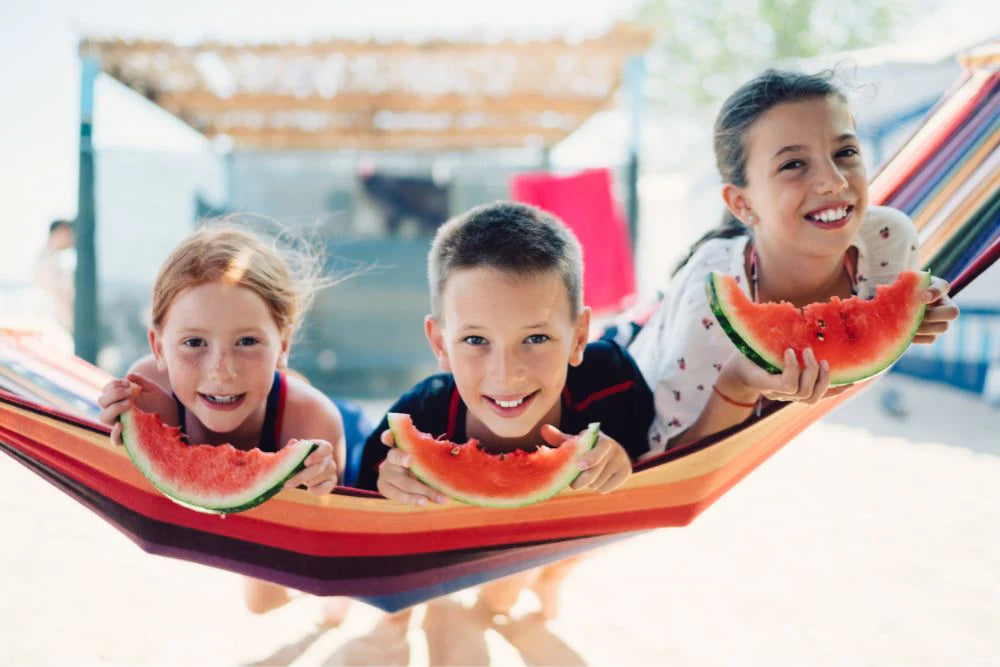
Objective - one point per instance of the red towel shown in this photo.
(584, 202)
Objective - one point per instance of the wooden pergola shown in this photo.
(339, 94)
(342, 94)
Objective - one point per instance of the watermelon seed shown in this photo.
(820, 335)
(455, 450)
(822, 324)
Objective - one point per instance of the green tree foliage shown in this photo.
(705, 48)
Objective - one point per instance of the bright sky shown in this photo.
(38, 41)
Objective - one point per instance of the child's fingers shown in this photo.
(616, 479)
(398, 457)
(312, 474)
(112, 412)
(323, 488)
(924, 339)
(946, 312)
(323, 450)
(938, 289)
(933, 327)
(114, 395)
(599, 453)
(387, 439)
(116, 434)
(821, 385)
(553, 436)
(399, 485)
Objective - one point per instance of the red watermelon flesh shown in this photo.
(467, 473)
(209, 478)
(857, 338)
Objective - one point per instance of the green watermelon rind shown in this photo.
(268, 486)
(399, 422)
(743, 339)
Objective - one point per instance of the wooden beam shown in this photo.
(292, 140)
(204, 102)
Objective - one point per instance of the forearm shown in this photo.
(727, 406)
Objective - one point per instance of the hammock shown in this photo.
(356, 543)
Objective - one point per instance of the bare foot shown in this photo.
(334, 611)
(546, 585)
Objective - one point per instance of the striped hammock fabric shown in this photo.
(358, 544)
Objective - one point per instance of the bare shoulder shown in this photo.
(311, 412)
(146, 367)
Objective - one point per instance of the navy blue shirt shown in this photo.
(607, 387)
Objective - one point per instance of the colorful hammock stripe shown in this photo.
(356, 543)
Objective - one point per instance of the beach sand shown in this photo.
(850, 546)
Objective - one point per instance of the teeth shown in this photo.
(222, 399)
(510, 404)
(830, 214)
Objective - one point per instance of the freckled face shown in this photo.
(220, 347)
(508, 340)
(806, 181)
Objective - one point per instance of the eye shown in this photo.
(247, 340)
(535, 339)
(193, 342)
(848, 152)
(792, 164)
(475, 340)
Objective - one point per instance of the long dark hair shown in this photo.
(750, 101)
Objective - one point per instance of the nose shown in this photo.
(506, 367)
(830, 180)
(222, 366)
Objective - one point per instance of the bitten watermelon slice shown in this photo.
(207, 478)
(467, 473)
(857, 338)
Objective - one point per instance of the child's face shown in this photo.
(806, 182)
(508, 340)
(220, 347)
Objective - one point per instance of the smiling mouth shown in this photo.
(221, 400)
(830, 216)
(511, 405)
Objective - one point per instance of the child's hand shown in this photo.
(743, 380)
(119, 395)
(605, 467)
(320, 474)
(940, 310)
(395, 480)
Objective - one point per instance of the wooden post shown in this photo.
(85, 314)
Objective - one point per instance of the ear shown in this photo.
(580, 336)
(435, 336)
(736, 201)
(156, 345)
(286, 348)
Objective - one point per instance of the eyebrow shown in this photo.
(798, 147)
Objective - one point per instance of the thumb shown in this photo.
(553, 436)
(144, 383)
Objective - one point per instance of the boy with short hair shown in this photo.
(509, 329)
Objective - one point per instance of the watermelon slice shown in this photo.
(207, 478)
(467, 473)
(857, 338)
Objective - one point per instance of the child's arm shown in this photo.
(605, 467)
(310, 415)
(742, 383)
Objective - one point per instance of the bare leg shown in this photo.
(263, 596)
(385, 644)
(334, 611)
(499, 596)
(546, 585)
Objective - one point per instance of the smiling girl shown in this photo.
(225, 306)
(799, 229)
